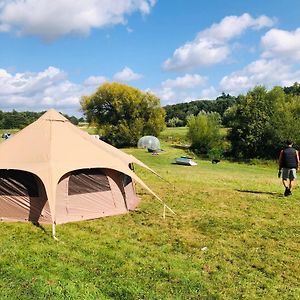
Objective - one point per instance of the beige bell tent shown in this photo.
(53, 172)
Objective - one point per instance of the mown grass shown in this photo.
(234, 236)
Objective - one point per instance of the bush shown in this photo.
(204, 132)
(175, 122)
(215, 153)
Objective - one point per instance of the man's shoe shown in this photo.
(287, 192)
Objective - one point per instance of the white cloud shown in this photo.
(95, 80)
(195, 54)
(166, 95)
(264, 21)
(51, 87)
(42, 90)
(51, 19)
(185, 82)
(4, 28)
(208, 93)
(127, 75)
(29, 83)
(182, 89)
(233, 26)
(211, 45)
(260, 72)
(283, 44)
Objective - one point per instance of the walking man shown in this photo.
(288, 164)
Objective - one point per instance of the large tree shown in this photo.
(286, 120)
(249, 120)
(123, 113)
(261, 121)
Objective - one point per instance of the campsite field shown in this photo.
(234, 236)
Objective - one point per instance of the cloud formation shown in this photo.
(184, 88)
(211, 45)
(95, 80)
(127, 75)
(260, 72)
(283, 44)
(185, 82)
(49, 88)
(277, 65)
(52, 19)
(40, 90)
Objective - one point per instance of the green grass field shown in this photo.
(234, 236)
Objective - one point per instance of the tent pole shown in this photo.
(170, 209)
(164, 213)
(54, 231)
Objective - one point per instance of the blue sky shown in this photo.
(53, 52)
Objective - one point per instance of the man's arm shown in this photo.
(297, 157)
(281, 156)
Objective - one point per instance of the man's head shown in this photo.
(289, 143)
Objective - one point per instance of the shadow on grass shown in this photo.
(182, 147)
(260, 192)
(38, 225)
(174, 163)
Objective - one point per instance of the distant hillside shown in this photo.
(176, 114)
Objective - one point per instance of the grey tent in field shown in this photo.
(53, 172)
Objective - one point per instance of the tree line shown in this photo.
(261, 121)
(177, 114)
(258, 124)
(19, 120)
(255, 125)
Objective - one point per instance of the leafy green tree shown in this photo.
(286, 121)
(175, 122)
(293, 90)
(72, 119)
(261, 121)
(123, 113)
(250, 123)
(222, 103)
(204, 132)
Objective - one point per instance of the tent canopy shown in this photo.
(60, 173)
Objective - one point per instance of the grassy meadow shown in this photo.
(234, 236)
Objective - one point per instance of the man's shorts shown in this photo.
(289, 174)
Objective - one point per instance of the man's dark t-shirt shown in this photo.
(289, 158)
